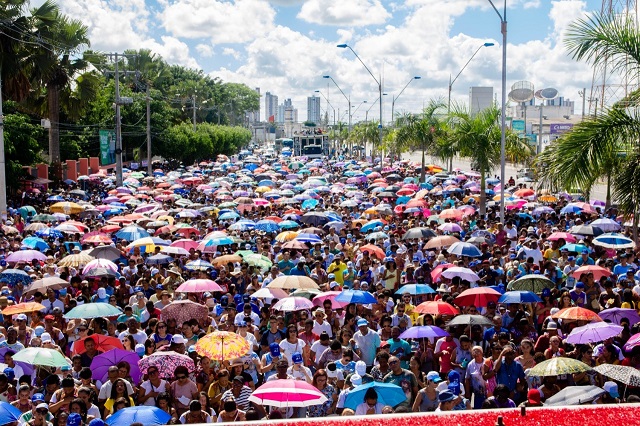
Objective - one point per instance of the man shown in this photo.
(474, 381)
(508, 372)
(403, 378)
(578, 295)
(367, 342)
(399, 347)
(338, 267)
(318, 348)
(138, 335)
(52, 302)
(585, 259)
(400, 315)
(240, 392)
(90, 352)
(273, 274)
(608, 298)
(286, 265)
(105, 389)
(271, 335)
(568, 271)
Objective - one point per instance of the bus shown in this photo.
(311, 146)
(282, 143)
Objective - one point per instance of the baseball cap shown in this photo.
(434, 376)
(238, 379)
(361, 368)
(39, 330)
(274, 348)
(42, 405)
(454, 382)
(356, 379)
(178, 339)
(363, 322)
(74, 419)
(296, 358)
(552, 325)
(21, 317)
(45, 337)
(612, 389)
(533, 396)
(9, 373)
(446, 396)
(37, 397)
(97, 422)
(579, 284)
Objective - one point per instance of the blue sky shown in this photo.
(285, 46)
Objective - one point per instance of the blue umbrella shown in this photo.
(415, 289)
(308, 238)
(267, 226)
(243, 225)
(288, 224)
(309, 204)
(55, 198)
(499, 288)
(8, 413)
(35, 243)
(403, 200)
(229, 216)
(613, 240)
(519, 297)
(423, 332)
(369, 226)
(492, 181)
(198, 265)
(49, 232)
(388, 394)
(485, 234)
(143, 414)
(131, 233)
(464, 249)
(570, 209)
(355, 296)
(575, 247)
(267, 182)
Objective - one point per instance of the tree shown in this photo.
(365, 133)
(421, 131)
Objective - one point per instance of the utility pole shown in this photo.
(3, 178)
(148, 98)
(193, 98)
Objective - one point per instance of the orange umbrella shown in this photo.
(451, 214)
(23, 307)
(597, 271)
(439, 242)
(223, 260)
(436, 308)
(524, 192)
(576, 313)
(103, 343)
(377, 251)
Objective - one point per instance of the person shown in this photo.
(427, 398)
(298, 371)
(292, 343)
(183, 390)
(230, 411)
(501, 397)
(151, 388)
(534, 399)
(118, 390)
(403, 378)
(40, 416)
(399, 347)
(195, 414)
(163, 402)
(240, 393)
(508, 372)
(446, 401)
(370, 405)
(320, 382)
(367, 342)
(475, 374)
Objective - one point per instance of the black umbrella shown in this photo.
(315, 218)
(471, 320)
(415, 233)
(586, 230)
(386, 194)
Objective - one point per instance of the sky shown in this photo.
(286, 46)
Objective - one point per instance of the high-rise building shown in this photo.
(313, 109)
(287, 113)
(271, 107)
(254, 116)
(480, 98)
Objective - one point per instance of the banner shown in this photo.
(560, 127)
(107, 147)
(518, 126)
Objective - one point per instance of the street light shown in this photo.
(328, 103)
(465, 65)
(503, 30)
(393, 100)
(358, 107)
(348, 98)
(346, 46)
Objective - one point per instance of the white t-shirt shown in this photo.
(288, 349)
(318, 348)
(299, 374)
(105, 389)
(148, 388)
(319, 328)
(140, 336)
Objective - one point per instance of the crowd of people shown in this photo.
(408, 339)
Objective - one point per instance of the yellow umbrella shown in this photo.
(263, 189)
(66, 207)
(293, 282)
(285, 236)
(76, 260)
(497, 197)
(222, 346)
(371, 210)
(146, 242)
(166, 218)
(547, 199)
(471, 197)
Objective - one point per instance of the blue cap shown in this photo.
(446, 396)
(454, 382)
(137, 289)
(246, 298)
(237, 299)
(363, 322)
(585, 251)
(191, 349)
(571, 258)
(579, 284)
(159, 287)
(37, 397)
(9, 373)
(546, 292)
(74, 419)
(274, 348)
(296, 358)
(65, 368)
(416, 258)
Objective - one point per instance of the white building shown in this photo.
(313, 109)
(480, 98)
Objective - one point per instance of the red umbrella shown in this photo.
(375, 250)
(436, 308)
(576, 313)
(435, 274)
(103, 343)
(479, 296)
(597, 271)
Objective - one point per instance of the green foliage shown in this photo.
(21, 145)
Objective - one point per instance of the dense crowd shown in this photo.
(381, 293)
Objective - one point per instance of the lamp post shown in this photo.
(345, 96)
(465, 66)
(503, 30)
(393, 100)
(378, 82)
(328, 103)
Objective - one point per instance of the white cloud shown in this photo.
(352, 13)
(204, 50)
(532, 4)
(239, 21)
(172, 50)
(231, 52)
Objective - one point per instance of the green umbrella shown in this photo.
(93, 310)
(531, 282)
(26, 211)
(307, 293)
(244, 253)
(558, 366)
(227, 205)
(44, 218)
(41, 356)
(258, 260)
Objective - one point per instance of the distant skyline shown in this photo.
(285, 46)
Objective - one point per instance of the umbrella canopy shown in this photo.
(41, 356)
(576, 313)
(464, 249)
(440, 242)
(415, 289)
(103, 343)
(198, 286)
(105, 252)
(184, 310)
(293, 282)
(614, 241)
(356, 296)
(422, 332)
(372, 249)
(101, 363)
(590, 230)
(388, 394)
(575, 395)
(519, 297)
(222, 346)
(291, 304)
(25, 256)
(227, 258)
(464, 274)
(479, 296)
(630, 376)
(147, 415)
(615, 315)
(416, 233)
(471, 320)
(597, 271)
(166, 362)
(93, 310)
(22, 308)
(66, 208)
(8, 413)
(558, 366)
(14, 276)
(75, 260)
(53, 283)
(592, 333)
(534, 283)
(198, 265)
(287, 393)
(437, 308)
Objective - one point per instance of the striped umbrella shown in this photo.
(288, 393)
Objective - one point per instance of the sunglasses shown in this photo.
(42, 411)
(153, 372)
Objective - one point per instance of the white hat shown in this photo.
(178, 339)
(45, 337)
(356, 379)
(102, 293)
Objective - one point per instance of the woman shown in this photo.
(320, 382)
(389, 277)
(416, 369)
(565, 300)
(195, 415)
(543, 309)
(149, 347)
(218, 387)
(161, 337)
(427, 398)
(584, 353)
(150, 389)
(129, 343)
(230, 412)
(292, 343)
(370, 405)
(526, 359)
(206, 406)
(183, 390)
(609, 355)
(346, 363)
(118, 390)
(382, 368)
(118, 404)
(204, 374)
(163, 402)
(80, 407)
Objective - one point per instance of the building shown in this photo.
(270, 107)
(480, 98)
(313, 109)
(287, 113)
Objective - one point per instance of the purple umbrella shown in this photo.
(426, 331)
(101, 363)
(25, 256)
(592, 333)
(617, 314)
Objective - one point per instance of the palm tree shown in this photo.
(422, 131)
(365, 133)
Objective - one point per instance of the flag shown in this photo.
(272, 118)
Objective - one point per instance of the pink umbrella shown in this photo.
(25, 256)
(562, 235)
(329, 295)
(198, 286)
(100, 263)
(450, 227)
(261, 202)
(287, 393)
(290, 304)
(185, 243)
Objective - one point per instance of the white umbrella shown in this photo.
(464, 274)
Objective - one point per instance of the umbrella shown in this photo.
(131, 233)
(293, 282)
(479, 296)
(66, 208)
(519, 297)
(22, 308)
(426, 331)
(103, 343)
(471, 320)
(632, 342)
(270, 293)
(287, 393)
(615, 315)
(75, 260)
(575, 395)
(35, 243)
(328, 295)
(597, 271)
(308, 238)
(184, 310)
(14, 276)
(147, 415)
(534, 283)
(586, 230)
(388, 394)
(255, 259)
(158, 259)
(464, 249)
(415, 289)
(437, 308)
(558, 366)
(315, 218)
(291, 304)
(222, 346)
(42, 285)
(93, 310)
(464, 274)
(8, 413)
(592, 333)
(166, 362)
(101, 363)
(198, 265)
(99, 273)
(198, 286)
(228, 258)
(606, 224)
(105, 252)
(25, 256)
(356, 296)
(372, 249)
(41, 356)
(614, 241)
(576, 313)
(415, 233)
(630, 376)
